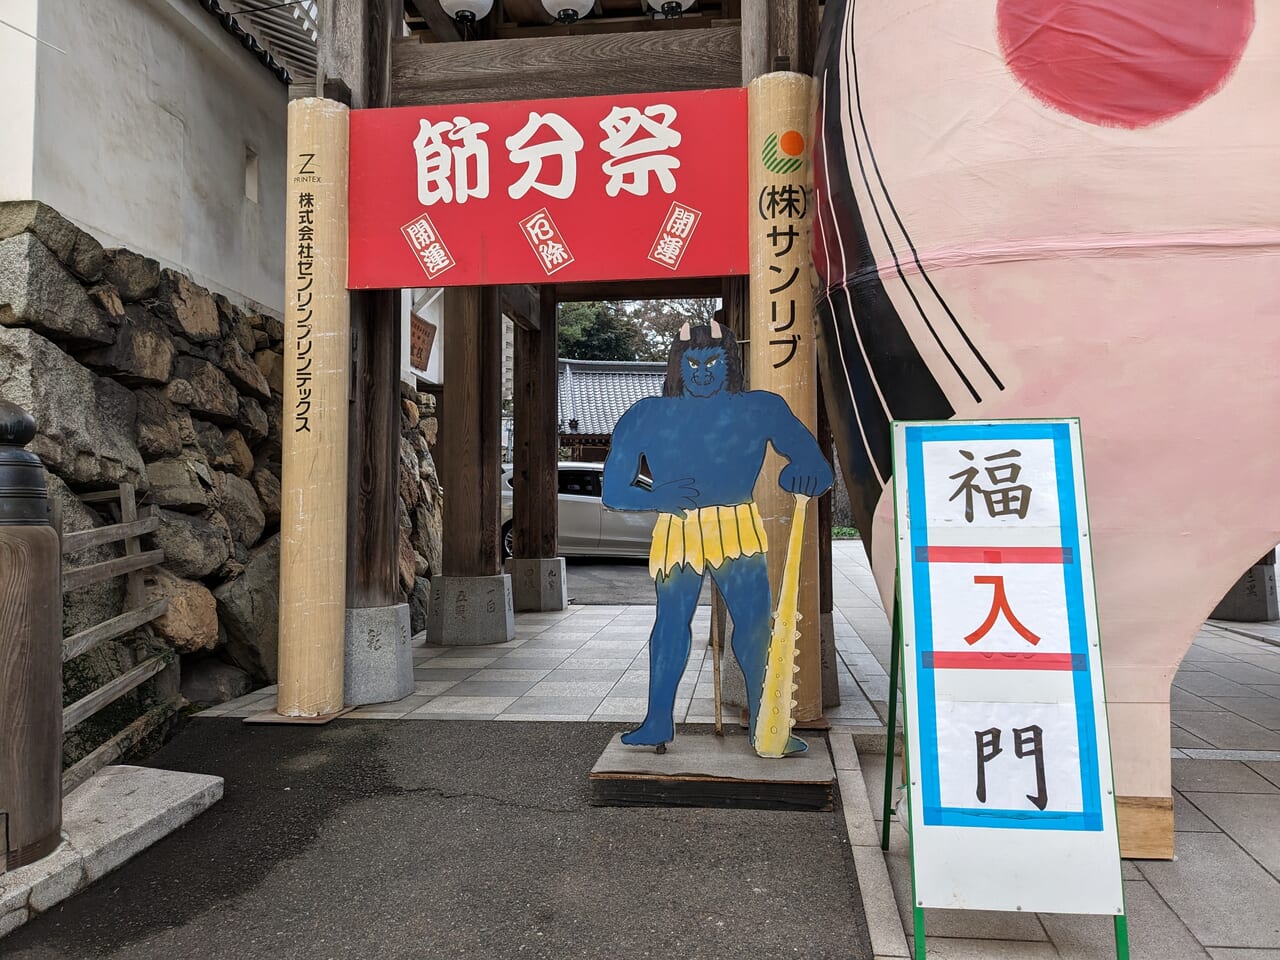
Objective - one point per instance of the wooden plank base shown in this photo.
(1145, 825)
(703, 770)
(270, 716)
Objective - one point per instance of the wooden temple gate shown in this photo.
(363, 62)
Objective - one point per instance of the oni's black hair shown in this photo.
(700, 337)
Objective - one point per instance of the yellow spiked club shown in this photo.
(773, 719)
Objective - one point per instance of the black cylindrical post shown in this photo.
(30, 650)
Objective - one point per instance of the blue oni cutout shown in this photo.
(704, 442)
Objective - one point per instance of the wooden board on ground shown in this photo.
(703, 770)
(271, 716)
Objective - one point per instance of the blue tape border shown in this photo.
(934, 813)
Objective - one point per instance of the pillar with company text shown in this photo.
(317, 374)
(783, 357)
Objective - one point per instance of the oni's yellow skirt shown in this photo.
(706, 537)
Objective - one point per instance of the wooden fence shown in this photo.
(129, 527)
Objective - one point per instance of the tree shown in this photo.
(629, 329)
(658, 322)
(596, 330)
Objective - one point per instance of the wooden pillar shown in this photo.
(778, 29)
(535, 497)
(826, 599)
(782, 348)
(313, 520)
(353, 61)
(782, 34)
(354, 65)
(733, 689)
(471, 455)
(373, 527)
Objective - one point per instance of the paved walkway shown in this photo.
(453, 841)
(583, 663)
(1220, 899)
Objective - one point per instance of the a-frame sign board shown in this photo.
(1009, 784)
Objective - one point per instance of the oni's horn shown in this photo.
(684, 332)
(716, 333)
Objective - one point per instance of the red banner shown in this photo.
(536, 191)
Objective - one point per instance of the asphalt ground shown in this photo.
(452, 839)
(593, 581)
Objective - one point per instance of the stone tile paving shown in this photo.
(1220, 898)
(584, 663)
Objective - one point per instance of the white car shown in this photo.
(587, 527)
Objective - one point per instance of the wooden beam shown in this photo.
(489, 559)
(423, 74)
(520, 303)
(535, 494)
(373, 470)
(678, 288)
(96, 537)
(118, 626)
(826, 598)
(774, 29)
(355, 48)
(96, 573)
(755, 40)
(793, 33)
(441, 24)
(110, 692)
(593, 25)
(30, 693)
(120, 744)
(470, 456)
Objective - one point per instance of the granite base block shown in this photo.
(379, 658)
(471, 611)
(538, 585)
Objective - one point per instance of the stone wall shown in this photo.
(421, 502)
(841, 508)
(136, 374)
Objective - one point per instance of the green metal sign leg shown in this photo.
(1122, 937)
(895, 666)
(917, 927)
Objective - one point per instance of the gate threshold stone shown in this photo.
(703, 770)
(115, 815)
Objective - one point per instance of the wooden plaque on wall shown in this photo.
(422, 337)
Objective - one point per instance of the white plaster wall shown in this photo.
(17, 97)
(141, 133)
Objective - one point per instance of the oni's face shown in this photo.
(703, 371)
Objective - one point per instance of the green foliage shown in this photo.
(658, 322)
(595, 330)
(845, 533)
(627, 330)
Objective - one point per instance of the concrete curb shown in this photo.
(888, 938)
(113, 816)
